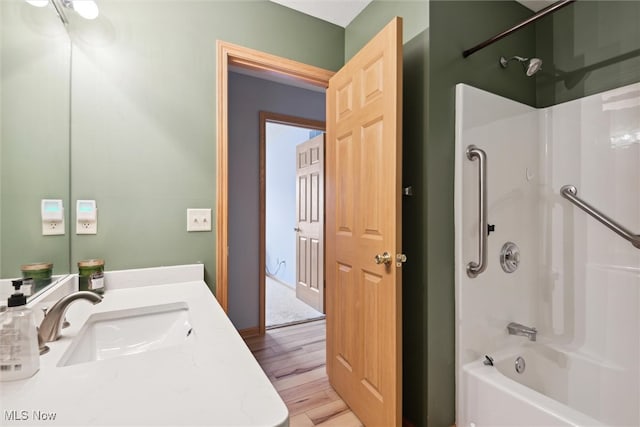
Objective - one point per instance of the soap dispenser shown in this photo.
(19, 354)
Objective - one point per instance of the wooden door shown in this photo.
(363, 190)
(310, 222)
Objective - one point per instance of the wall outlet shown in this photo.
(52, 228)
(86, 217)
(87, 227)
(198, 219)
(52, 212)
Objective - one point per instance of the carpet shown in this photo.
(283, 308)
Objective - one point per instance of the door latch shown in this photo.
(386, 258)
(400, 259)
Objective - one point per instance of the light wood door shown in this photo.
(310, 222)
(363, 190)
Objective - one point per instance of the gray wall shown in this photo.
(247, 97)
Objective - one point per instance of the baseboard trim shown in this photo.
(249, 332)
(296, 322)
(274, 278)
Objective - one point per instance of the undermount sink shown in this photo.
(125, 332)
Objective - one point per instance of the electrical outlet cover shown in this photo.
(87, 227)
(53, 228)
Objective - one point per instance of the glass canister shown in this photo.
(91, 275)
(40, 272)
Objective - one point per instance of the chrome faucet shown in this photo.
(49, 329)
(521, 330)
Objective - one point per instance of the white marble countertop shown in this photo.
(214, 380)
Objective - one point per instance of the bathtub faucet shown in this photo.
(521, 330)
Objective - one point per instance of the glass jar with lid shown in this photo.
(91, 275)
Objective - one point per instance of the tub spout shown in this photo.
(521, 330)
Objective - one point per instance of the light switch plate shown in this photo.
(198, 219)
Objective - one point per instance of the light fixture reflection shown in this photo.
(88, 9)
(38, 3)
(625, 139)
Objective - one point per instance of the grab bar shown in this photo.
(570, 193)
(473, 268)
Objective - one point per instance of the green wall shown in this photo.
(144, 112)
(415, 19)
(143, 131)
(34, 148)
(588, 47)
(1, 62)
(454, 27)
(438, 33)
(415, 99)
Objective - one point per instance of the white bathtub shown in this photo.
(557, 388)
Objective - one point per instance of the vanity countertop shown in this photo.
(213, 380)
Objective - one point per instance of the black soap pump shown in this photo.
(19, 353)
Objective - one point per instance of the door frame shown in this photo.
(228, 54)
(283, 119)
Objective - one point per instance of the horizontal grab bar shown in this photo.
(570, 193)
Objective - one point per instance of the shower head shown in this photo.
(531, 65)
(535, 65)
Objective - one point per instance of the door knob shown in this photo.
(384, 258)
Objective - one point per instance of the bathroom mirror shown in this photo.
(35, 70)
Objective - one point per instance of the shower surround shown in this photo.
(576, 282)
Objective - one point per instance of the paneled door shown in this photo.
(310, 222)
(363, 233)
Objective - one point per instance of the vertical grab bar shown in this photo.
(473, 268)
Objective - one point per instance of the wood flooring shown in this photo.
(294, 359)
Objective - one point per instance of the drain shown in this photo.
(520, 365)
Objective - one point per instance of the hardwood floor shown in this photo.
(294, 359)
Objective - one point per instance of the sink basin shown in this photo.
(126, 332)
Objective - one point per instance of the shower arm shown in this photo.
(475, 268)
(570, 193)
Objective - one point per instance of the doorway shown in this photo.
(233, 57)
(230, 55)
(292, 226)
